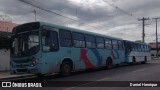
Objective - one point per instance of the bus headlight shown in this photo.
(34, 61)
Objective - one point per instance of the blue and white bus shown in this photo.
(136, 52)
(43, 48)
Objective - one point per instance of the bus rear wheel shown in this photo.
(109, 63)
(145, 60)
(66, 68)
(133, 60)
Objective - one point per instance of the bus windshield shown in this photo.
(25, 43)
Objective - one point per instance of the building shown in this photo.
(5, 33)
(154, 49)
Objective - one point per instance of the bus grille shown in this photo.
(22, 61)
(21, 70)
(20, 66)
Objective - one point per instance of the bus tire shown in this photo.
(145, 60)
(109, 63)
(133, 60)
(65, 69)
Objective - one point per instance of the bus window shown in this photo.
(143, 48)
(120, 44)
(147, 48)
(65, 38)
(50, 40)
(90, 41)
(100, 42)
(139, 48)
(78, 40)
(136, 48)
(115, 44)
(33, 39)
(108, 43)
(133, 47)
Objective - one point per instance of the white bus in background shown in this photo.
(136, 52)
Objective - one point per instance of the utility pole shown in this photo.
(143, 32)
(156, 36)
(35, 12)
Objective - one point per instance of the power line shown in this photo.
(64, 15)
(46, 10)
(116, 7)
(56, 13)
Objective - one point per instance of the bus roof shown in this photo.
(77, 30)
(135, 42)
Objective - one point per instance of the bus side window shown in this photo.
(100, 42)
(50, 40)
(148, 49)
(139, 48)
(129, 47)
(78, 40)
(108, 43)
(120, 44)
(115, 44)
(143, 48)
(65, 38)
(90, 41)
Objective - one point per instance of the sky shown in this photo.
(117, 18)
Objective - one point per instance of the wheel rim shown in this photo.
(109, 64)
(67, 68)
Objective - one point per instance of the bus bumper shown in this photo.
(29, 70)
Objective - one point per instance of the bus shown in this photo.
(136, 52)
(41, 48)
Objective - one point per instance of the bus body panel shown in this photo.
(82, 58)
(139, 56)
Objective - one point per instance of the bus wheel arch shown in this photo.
(109, 63)
(66, 67)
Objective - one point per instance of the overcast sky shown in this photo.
(98, 15)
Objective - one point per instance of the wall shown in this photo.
(4, 59)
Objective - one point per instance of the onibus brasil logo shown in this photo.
(14, 84)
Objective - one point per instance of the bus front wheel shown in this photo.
(65, 69)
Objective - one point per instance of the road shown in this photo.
(138, 72)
